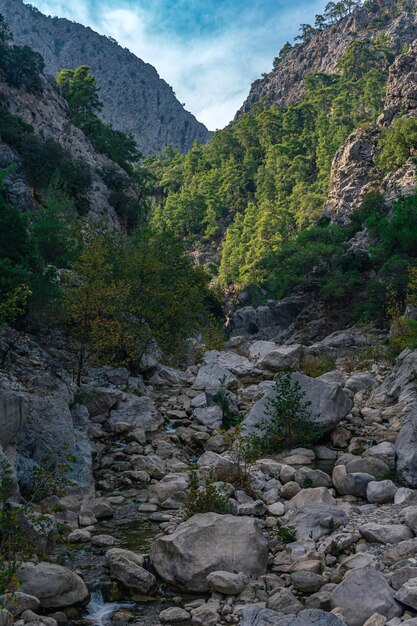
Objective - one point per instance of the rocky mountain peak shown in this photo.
(136, 100)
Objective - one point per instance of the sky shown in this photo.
(209, 51)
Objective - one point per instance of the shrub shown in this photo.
(22, 67)
(223, 399)
(397, 144)
(287, 534)
(290, 420)
(12, 129)
(204, 496)
(316, 365)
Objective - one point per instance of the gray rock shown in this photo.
(211, 376)
(317, 617)
(385, 533)
(358, 605)
(360, 382)
(407, 593)
(306, 497)
(171, 489)
(368, 465)
(354, 484)
(174, 615)
(13, 415)
(207, 543)
(384, 451)
(317, 520)
(210, 416)
(402, 575)
(307, 582)
(284, 601)
(220, 464)
(127, 567)
(381, 492)
(139, 412)
(227, 583)
(329, 404)
(6, 618)
(281, 358)
(205, 615)
(307, 477)
(19, 602)
(55, 586)
(406, 450)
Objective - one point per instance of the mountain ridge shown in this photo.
(136, 100)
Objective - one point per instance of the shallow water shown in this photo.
(99, 612)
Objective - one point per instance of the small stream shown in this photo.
(99, 612)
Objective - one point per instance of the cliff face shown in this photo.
(47, 113)
(354, 172)
(322, 52)
(136, 100)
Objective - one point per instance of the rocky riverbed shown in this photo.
(324, 536)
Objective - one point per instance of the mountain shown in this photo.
(322, 51)
(136, 100)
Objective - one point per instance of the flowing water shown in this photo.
(99, 612)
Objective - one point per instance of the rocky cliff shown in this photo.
(322, 52)
(136, 100)
(354, 171)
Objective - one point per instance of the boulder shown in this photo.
(210, 416)
(329, 404)
(385, 533)
(205, 615)
(213, 461)
(227, 583)
(258, 349)
(19, 602)
(317, 520)
(407, 593)
(368, 465)
(354, 484)
(362, 593)
(315, 495)
(174, 615)
(55, 586)
(307, 477)
(384, 451)
(381, 492)
(169, 492)
(212, 376)
(139, 412)
(284, 601)
(207, 543)
(127, 567)
(360, 382)
(281, 358)
(307, 582)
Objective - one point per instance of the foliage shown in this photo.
(223, 399)
(264, 178)
(397, 144)
(317, 365)
(403, 332)
(12, 129)
(286, 534)
(128, 295)
(19, 65)
(17, 522)
(290, 421)
(79, 88)
(244, 450)
(203, 495)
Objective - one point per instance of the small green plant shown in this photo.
(317, 365)
(290, 421)
(334, 549)
(204, 496)
(223, 399)
(244, 451)
(50, 478)
(307, 482)
(287, 534)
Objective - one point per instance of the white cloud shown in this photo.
(212, 75)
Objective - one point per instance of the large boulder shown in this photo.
(281, 358)
(354, 484)
(317, 520)
(329, 404)
(170, 492)
(385, 533)
(208, 543)
(139, 412)
(212, 376)
(55, 586)
(362, 593)
(127, 567)
(406, 450)
(13, 414)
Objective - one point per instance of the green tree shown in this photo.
(397, 144)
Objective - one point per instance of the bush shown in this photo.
(22, 67)
(290, 420)
(397, 144)
(204, 496)
(316, 365)
(12, 129)
(287, 534)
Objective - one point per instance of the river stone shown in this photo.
(55, 586)
(314, 495)
(362, 593)
(284, 601)
(174, 615)
(407, 593)
(329, 404)
(170, 490)
(384, 451)
(139, 412)
(208, 543)
(18, 602)
(385, 533)
(212, 376)
(281, 358)
(354, 484)
(227, 583)
(402, 575)
(127, 567)
(317, 520)
(381, 492)
(308, 477)
(210, 416)
(6, 618)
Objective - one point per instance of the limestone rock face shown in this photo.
(208, 543)
(13, 414)
(55, 586)
(136, 100)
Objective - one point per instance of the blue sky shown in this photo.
(210, 51)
